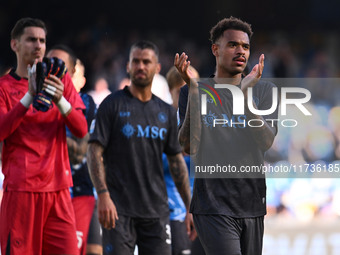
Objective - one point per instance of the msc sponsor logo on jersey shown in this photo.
(153, 132)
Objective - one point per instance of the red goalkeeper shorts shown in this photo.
(37, 223)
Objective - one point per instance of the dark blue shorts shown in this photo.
(224, 235)
(152, 236)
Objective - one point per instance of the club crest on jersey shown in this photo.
(209, 119)
(162, 117)
(128, 130)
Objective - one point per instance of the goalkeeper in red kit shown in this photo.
(36, 214)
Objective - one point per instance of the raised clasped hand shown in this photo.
(254, 76)
(182, 65)
(54, 87)
(32, 74)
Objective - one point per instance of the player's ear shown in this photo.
(158, 68)
(72, 71)
(214, 49)
(14, 43)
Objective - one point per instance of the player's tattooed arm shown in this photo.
(179, 173)
(189, 138)
(96, 166)
(189, 134)
(77, 148)
(107, 212)
(184, 134)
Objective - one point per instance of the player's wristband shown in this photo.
(27, 100)
(102, 191)
(63, 105)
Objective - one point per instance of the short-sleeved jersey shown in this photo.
(82, 184)
(35, 156)
(134, 135)
(235, 197)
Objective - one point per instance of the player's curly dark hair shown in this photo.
(21, 24)
(229, 23)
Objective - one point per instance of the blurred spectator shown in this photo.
(101, 90)
(124, 82)
(334, 125)
(160, 88)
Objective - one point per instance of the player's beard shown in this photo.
(141, 82)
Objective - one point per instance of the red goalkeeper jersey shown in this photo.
(35, 156)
